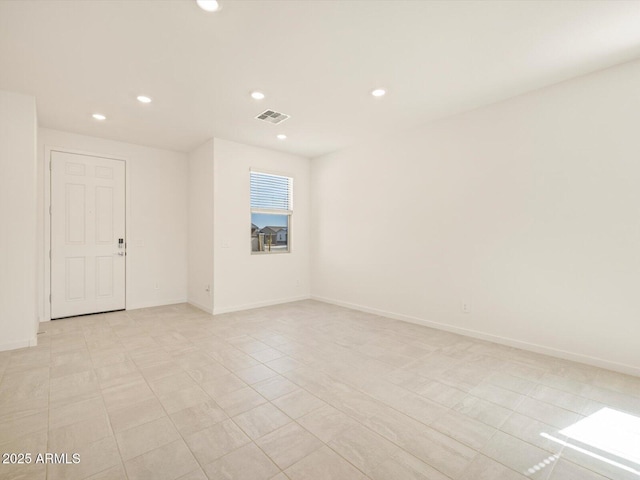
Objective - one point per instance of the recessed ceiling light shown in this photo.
(378, 92)
(282, 136)
(209, 5)
(143, 99)
(99, 116)
(257, 95)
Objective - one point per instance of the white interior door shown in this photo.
(87, 234)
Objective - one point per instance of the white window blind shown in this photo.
(271, 192)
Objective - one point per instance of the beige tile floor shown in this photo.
(298, 391)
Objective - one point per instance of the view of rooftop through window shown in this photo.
(271, 210)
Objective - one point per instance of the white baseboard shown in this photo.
(31, 342)
(200, 306)
(249, 306)
(158, 303)
(511, 342)
(136, 306)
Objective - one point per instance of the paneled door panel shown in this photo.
(87, 222)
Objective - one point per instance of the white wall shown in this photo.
(157, 215)
(243, 280)
(18, 291)
(528, 210)
(201, 226)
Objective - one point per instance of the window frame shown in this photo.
(269, 211)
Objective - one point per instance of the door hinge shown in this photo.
(49, 298)
(49, 254)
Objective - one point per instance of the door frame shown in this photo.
(46, 260)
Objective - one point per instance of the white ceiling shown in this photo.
(315, 60)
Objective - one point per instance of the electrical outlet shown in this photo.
(466, 308)
(207, 288)
(297, 283)
(156, 286)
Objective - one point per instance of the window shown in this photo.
(271, 210)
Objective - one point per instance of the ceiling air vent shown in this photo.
(273, 117)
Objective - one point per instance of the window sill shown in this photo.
(270, 253)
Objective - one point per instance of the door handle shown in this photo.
(120, 254)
